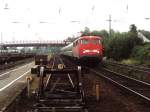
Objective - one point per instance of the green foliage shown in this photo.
(85, 32)
(71, 39)
(133, 29)
(102, 33)
(120, 45)
(141, 52)
(118, 48)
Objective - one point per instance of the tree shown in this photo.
(85, 32)
(71, 39)
(133, 35)
(133, 29)
(141, 52)
(102, 33)
(120, 45)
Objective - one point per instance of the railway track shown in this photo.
(136, 72)
(62, 91)
(9, 65)
(130, 67)
(13, 57)
(137, 88)
(56, 92)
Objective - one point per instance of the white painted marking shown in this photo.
(14, 70)
(14, 81)
(20, 67)
(5, 73)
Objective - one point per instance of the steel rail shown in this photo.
(49, 77)
(132, 85)
(69, 77)
(136, 68)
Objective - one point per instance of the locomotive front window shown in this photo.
(84, 41)
(96, 41)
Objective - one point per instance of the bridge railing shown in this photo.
(35, 41)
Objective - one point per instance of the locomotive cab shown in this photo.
(88, 48)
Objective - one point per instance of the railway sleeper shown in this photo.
(73, 101)
(61, 109)
(61, 96)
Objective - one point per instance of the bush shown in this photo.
(121, 47)
(141, 52)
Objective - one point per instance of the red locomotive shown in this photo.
(85, 49)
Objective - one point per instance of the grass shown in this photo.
(131, 62)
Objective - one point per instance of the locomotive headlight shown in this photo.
(86, 51)
(96, 51)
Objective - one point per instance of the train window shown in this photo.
(76, 42)
(73, 44)
(84, 41)
(96, 41)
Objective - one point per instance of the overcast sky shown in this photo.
(58, 19)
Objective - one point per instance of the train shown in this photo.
(9, 51)
(85, 49)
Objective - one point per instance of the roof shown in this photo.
(87, 37)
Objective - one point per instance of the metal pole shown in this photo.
(109, 25)
(1, 38)
(109, 20)
(1, 43)
(29, 79)
(28, 87)
(41, 83)
(97, 87)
